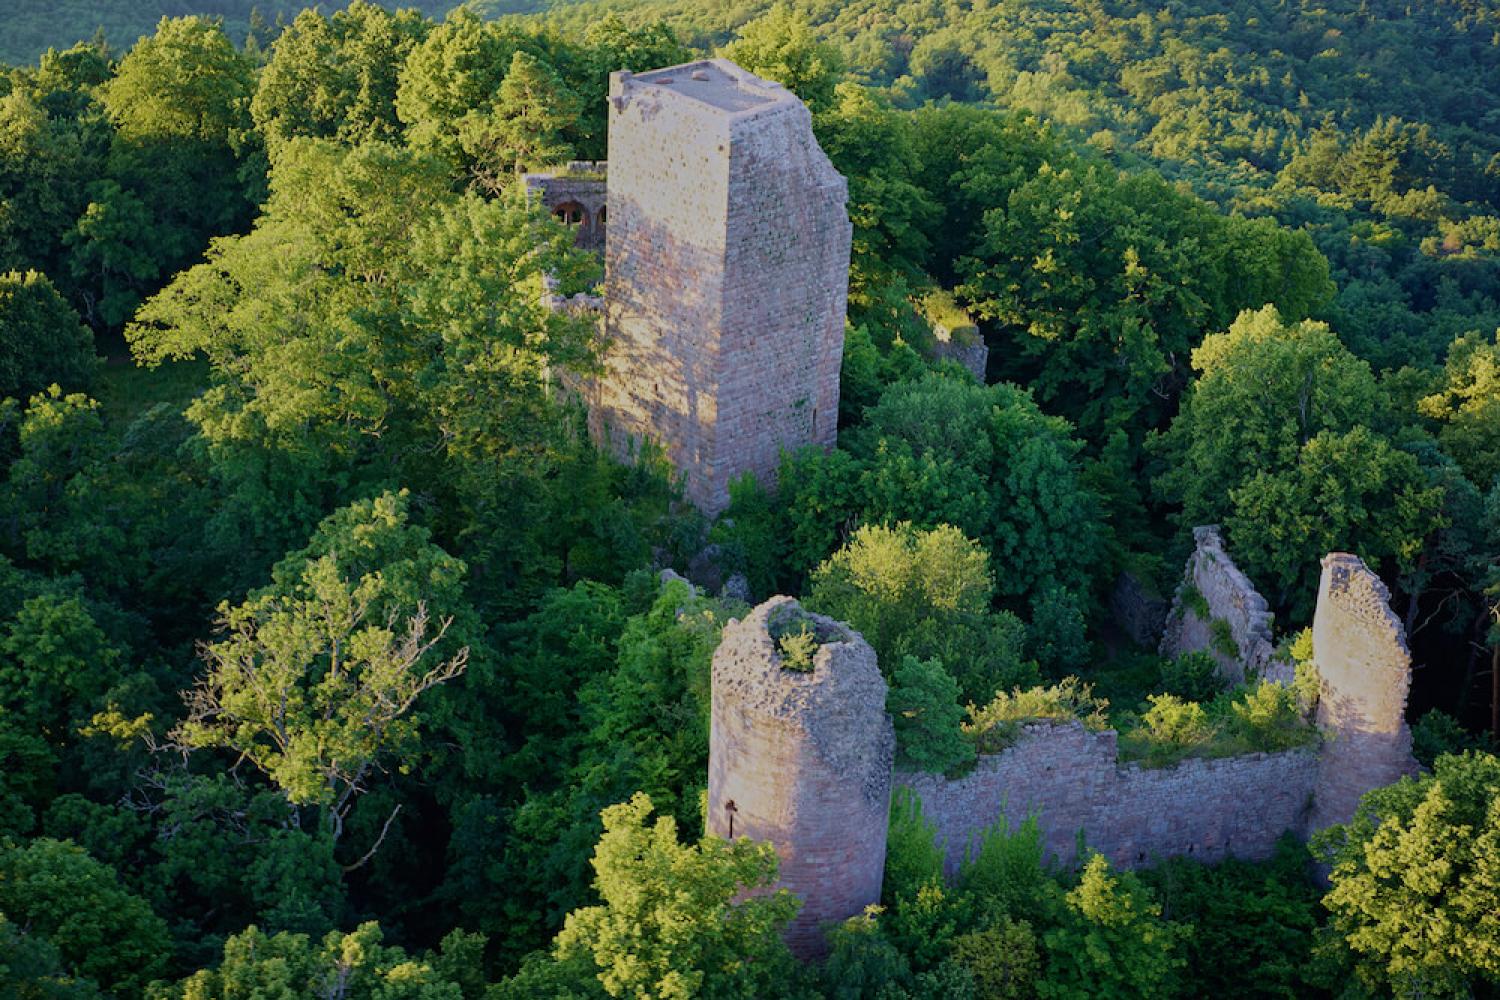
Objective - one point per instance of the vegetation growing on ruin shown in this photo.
(332, 651)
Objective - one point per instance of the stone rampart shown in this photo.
(575, 194)
(1071, 779)
(1364, 671)
(1214, 591)
(802, 759)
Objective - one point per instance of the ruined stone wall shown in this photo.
(1364, 669)
(576, 193)
(803, 760)
(1072, 780)
(1230, 598)
(726, 271)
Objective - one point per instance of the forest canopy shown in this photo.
(334, 650)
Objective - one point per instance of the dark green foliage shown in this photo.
(355, 415)
(56, 892)
(923, 701)
(1192, 676)
(1252, 924)
(1437, 733)
(43, 342)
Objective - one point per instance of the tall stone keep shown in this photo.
(726, 275)
(1359, 646)
(803, 759)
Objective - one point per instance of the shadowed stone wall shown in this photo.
(1231, 598)
(1364, 667)
(726, 275)
(1072, 780)
(803, 760)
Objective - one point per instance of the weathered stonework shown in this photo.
(806, 758)
(1071, 779)
(803, 760)
(726, 275)
(576, 195)
(1364, 668)
(1230, 598)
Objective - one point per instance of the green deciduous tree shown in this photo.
(1265, 388)
(1351, 492)
(42, 341)
(335, 76)
(1415, 892)
(356, 964)
(316, 681)
(924, 594)
(923, 703)
(1467, 407)
(1112, 942)
(780, 45)
(101, 931)
(670, 925)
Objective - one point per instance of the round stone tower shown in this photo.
(800, 755)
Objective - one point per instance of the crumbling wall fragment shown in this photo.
(1217, 609)
(1364, 671)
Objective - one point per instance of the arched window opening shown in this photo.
(570, 212)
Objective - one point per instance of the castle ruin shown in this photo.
(726, 271)
(804, 760)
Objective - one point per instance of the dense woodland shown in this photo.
(335, 661)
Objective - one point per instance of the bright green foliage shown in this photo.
(258, 966)
(870, 143)
(1172, 729)
(780, 45)
(1347, 492)
(1467, 406)
(44, 164)
(42, 341)
(317, 678)
(924, 594)
(102, 932)
(456, 71)
(923, 702)
(1415, 892)
(1113, 942)
(1003, 960)
(1264, 390)
(669, 926)
(525, 128)
(996, 725)
(335, 76)
(373, 328)
(179, 102)
(1269, 718)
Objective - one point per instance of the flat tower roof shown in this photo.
(716, 82)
